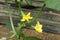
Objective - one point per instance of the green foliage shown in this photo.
(31, 38)
(18, 32)
(54, 4)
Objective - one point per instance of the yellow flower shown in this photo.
(26, 17)
(38, 27)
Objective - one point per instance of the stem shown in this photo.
(10, 16)
(38, 14)
(20, 33)
(20, 10)
(20, 15)
(29, 2)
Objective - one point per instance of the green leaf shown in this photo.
(8, 25)
(54, 4)
(31, 38)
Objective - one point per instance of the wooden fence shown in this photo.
(49, 18)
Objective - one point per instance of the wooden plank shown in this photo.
(38, 3)
(48, 16)
(50, 20)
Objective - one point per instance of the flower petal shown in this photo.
(38, 27)
(26, 17)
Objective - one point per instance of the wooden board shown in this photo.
(49, 18)
(34, 2)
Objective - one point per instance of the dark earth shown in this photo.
(5, 32)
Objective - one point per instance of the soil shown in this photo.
(5, 32)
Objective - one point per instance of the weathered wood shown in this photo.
(50, 20)
(37, 3)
